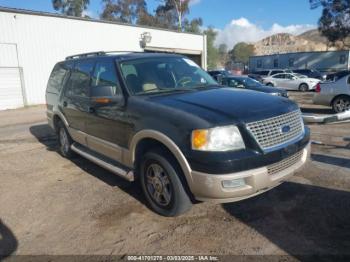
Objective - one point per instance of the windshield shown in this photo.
(250, 82)
(164, 74)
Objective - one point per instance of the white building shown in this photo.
(32, 42)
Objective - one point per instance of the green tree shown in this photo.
(71, 7)
(212, 52)
(126, 11)
(334, 23)
(241, 52)
(193, 26)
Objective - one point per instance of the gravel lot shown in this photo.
(53, 206)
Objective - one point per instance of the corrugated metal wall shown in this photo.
(43, 40)
(322, 61)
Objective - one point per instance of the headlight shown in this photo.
(225, 138)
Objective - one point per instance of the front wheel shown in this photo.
(161, 184)
(341, 104)
(269, 84)
(303, 88)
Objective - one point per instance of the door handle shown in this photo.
(65, 104)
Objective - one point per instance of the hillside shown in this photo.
(315, 36)
(285, 43)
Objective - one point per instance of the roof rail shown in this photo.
(99, 53)
(85, 55)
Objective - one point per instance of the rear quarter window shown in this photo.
(56, 79)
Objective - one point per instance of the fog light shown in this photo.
(233, 183)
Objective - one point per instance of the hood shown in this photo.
(267, 89)
(227, 104)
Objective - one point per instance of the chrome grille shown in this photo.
(268, 132)
(285, 163)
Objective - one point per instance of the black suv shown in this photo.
(161, 120)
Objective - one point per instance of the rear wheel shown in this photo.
(64, 141)
(303, 87)
(269, 84)
(341, 104)
(161, 184)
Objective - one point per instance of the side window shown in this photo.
(279, 76)
(105, 81)
(288, 76)
(233, 83)
(57, 76)
(79, 81)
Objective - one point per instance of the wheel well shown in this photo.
(148, 144)
(347, 96)
(303, 84)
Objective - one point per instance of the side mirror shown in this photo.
(106, 95)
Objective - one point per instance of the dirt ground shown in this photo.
(53, 206)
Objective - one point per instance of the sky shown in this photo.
(235, 20)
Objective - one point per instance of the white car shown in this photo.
(292, 81)
(334, 93)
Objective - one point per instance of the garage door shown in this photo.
(10, 88)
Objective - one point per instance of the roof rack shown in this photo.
(99, 53)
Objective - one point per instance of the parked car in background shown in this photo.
(266, 73)
(311, 73)
(337, 75)
(292, 82)
(246, 82)
(160, 120)
(334, 93)
(219, 74)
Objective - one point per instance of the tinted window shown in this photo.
(105, 81)
(280, 76)
(79, 81)
(56, 79)
(273, 72)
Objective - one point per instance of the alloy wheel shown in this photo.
(158, 184)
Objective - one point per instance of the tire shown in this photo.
(64, 141)
(161, 184)
(303, 87)
(341, 104)
(270, 84)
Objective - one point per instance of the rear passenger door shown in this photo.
(75, 101)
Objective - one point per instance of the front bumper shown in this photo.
(209, 187)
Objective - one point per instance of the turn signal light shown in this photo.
(199, 138)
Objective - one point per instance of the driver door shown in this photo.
(107, 124)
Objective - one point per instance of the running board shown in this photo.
(102, 161)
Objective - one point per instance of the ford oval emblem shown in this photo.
(285, 129)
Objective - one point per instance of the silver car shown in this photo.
(335, 94)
